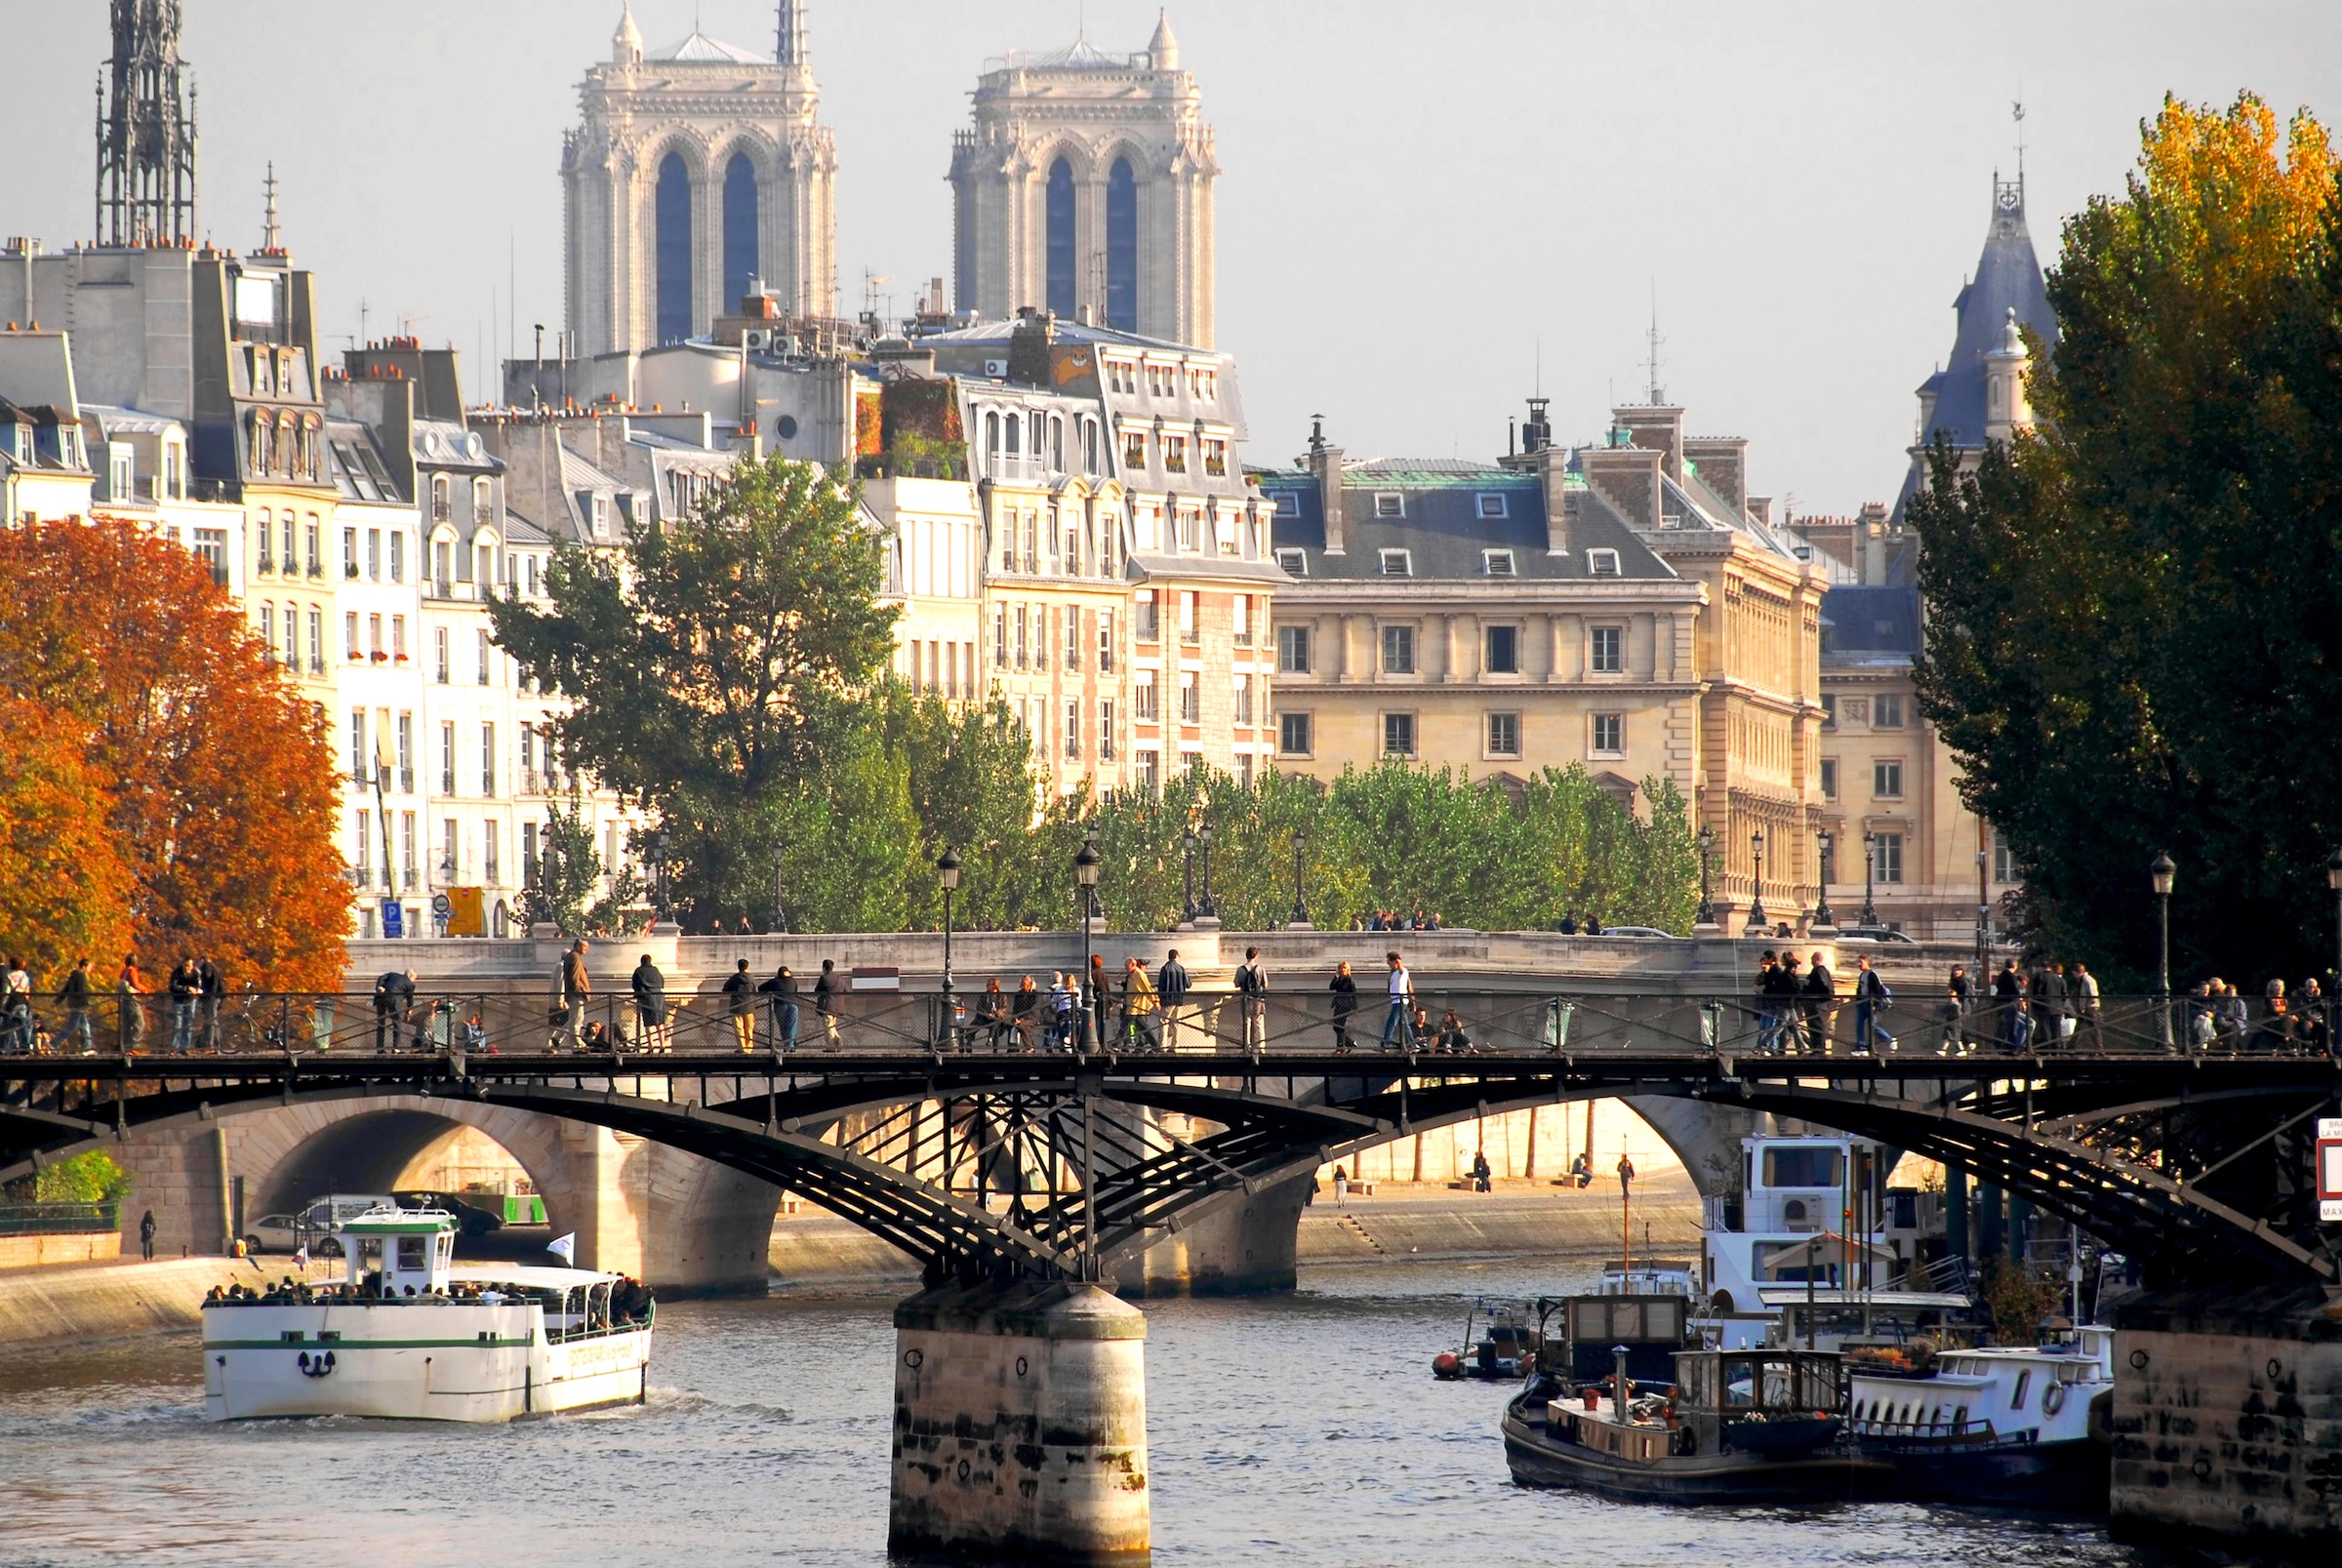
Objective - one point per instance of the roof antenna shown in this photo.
(271, 242)
(1537, 382)
(2017, 112)
(1658, 396)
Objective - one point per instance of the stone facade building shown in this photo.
(696, 169)
(1083, 187)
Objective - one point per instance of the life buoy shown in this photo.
(2053, 1399)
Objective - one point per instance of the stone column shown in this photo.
(1020, 1425)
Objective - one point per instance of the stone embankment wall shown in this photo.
(96, 1300)
(2227, 1423)
(52, 1251)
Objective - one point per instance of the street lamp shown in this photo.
(1870, 868)
(1301, 907)
(2159, 873)
(2333, 995)
(1822, 915)
(1707, 841)
(1757, 920)
(1208, 911)
(947, 875)
(1187, 875)
(1984, 917)
(1085, 877)
(663, 898)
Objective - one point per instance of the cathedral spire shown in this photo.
(1163, 48)
(790, 49)
(146, 132)
(626, 45)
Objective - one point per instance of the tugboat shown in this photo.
(1741, 1426)
(2000, 1427)
(410, 1335)
(1504, 1352)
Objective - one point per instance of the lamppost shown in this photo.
(2333, 995)
(1869, 869)
(1824, 917)
(1983, 923)
(1187, 876)
(1707, 841)
(1206, 911)
(1085, 877)
(1757, 921)
(663, 899)
(1301, 906)
(946, 875)
(549, 873)
(2159, 873)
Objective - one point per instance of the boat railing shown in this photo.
(570, 1335)
(1917, 1429)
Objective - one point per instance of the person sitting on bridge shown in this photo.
(1452, 1038)
(1581, 1168)
(994, 1011)
(1025, 1014)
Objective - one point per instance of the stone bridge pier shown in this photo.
(637, 1207)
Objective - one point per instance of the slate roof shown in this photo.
(356, 463)
(1443, 525)
(1870, 626)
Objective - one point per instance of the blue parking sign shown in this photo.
(394, 919)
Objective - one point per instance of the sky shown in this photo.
(1426, 212)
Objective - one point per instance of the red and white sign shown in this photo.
(2330, 1169)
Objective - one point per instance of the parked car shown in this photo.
(312, 1224)
(1639, 931)
(472, 1218)
(1875, 934)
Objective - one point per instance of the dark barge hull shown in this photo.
(2068, 1478)
(1538, 1459)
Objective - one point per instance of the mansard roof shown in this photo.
(1870, 626)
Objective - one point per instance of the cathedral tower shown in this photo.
(698, 168)
(1085, 182)
(146, 132)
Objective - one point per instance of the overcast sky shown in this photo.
(1417, 200)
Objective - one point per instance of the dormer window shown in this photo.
(1491, 506)
(1288, 503)
(1294, 563)
(1397, 563)
(1390, 504)
(1496, 563)
(1601, 563)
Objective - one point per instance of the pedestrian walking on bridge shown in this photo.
(1401, 1021)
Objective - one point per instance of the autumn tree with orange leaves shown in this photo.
(164, 788)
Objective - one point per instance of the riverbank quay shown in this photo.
(2226, 1424)
(1428, 1223)
(103, 1299)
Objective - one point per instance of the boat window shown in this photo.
(1960, 1419)
(411, 1253)
(1795, 1165)
(2016, 1401)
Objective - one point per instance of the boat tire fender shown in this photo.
(2053, 1398)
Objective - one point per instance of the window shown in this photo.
(1795, 1166)
(1293, 650)
(316, 641)
(1189, 630)
(1215, 458)
(1243, 699)
(1189, 531)
(269, 629)
(1175, 456)
(1497, 563)
(1887, 779)
(398, 638)
(263, 532)
(1887, 711)
(1016, 626)
(1609, 735)
(1390, 504)
(1288, 503)
(490, 872)
(1607, 654)
(1397, 563)
(1886, 857)
(1504, 650)
(1241, 610)
(285, 534)
(1073, 638)
(292, 640)
(1398, 650)
(1073, 730)
(1150, 628)
(1601, 563)
(2016, 1401)
(439, 659)
(373, 556)
(1293, 733)
(1504, 735)
(1399, 734)
(448, 840)
(212, 545)
(373, 638)
(1141, 694)
(1146, 772)
(447, 758)
(488, 760)
(398, 556)
(349, 627)
(487, 659)
(1293, 563)
(999, 636)
(442, 562)
(1134, 449)
(1490, 506)
(357, 745)
(1829, 778)
(2004, 862)
(1105, 642)
(1828, 710)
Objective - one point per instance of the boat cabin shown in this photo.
(412, 1248)
(1650, 1329)
(1761, 1401)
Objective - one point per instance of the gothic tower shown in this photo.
(146, 132)
(698, 168)
(1086, 184)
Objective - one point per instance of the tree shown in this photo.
(2132, 638)
(217, 778)
(65, 892)
(698, 661)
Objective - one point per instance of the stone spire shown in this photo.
(791, 49)
(1162, 49)
(146, 132)
(626, 45)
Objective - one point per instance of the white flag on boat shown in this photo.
(301, 1259)
(566, 1246)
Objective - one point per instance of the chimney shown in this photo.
(1722, 463)
(1028, 347)
(1627, 478)
(1658, 429)
(1325, 461)
(1552, 466)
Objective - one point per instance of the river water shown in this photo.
(1300, 1430)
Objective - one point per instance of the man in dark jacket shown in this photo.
(1171, 991)
(74, 998)
(393, 994)
(781, 993)
(1819, 991)
(1871, 999)
(212, 986)
(740, 1006)
(649, 1005)
(826, 985)
(2008, 996)
(186, 988)
(1345, 988)
(1252, 1000)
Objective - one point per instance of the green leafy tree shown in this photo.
(570, 869)
(2132, 641)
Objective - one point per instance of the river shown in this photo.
(1300, 1430)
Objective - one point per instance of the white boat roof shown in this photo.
(535, 1276)
(1786, 1295)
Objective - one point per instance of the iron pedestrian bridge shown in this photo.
(994, 1141)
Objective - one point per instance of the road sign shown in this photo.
(394, 919)
(2329, 1169)
(441, 905)
(467, 911)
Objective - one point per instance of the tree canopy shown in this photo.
(167, 789)
(2134, 644)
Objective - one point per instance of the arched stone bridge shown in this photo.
(1188, 1169)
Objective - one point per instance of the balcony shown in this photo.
(1015, 468)
(410, 880)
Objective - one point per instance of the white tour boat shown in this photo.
(2006, 1427)
(410, 1335)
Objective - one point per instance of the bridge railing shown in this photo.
(1300, 1017)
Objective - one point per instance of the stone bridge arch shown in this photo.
(636, 1206)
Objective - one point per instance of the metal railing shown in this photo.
(59, 1219)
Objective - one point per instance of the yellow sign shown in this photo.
(467, 911)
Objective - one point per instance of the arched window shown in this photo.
(991, 433)
(480, 501)
(1061, 238)
(261, 430)
(740, 229)
(439, 497)
(673, 217)
(1016, 433)
(1122, 247)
